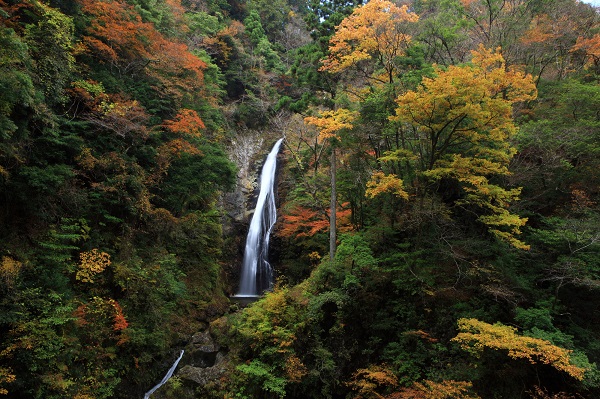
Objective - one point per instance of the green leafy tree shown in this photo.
(50, 43)
(17, 91)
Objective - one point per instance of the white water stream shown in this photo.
(257, 274)
(165, 378)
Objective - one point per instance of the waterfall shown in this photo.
(257, 274)
(165, 378)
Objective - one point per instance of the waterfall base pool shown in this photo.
(244, 300)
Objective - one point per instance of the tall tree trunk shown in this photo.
(332, 207)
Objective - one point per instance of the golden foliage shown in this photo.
(9, 270)
(490, 197)
(86, 160)
(314, 257)
(6, 377)
(221, 46)
(294, 368)
(474, 102)
(90, 264)
(449, 389)
(377, 29)
(368, 381)
(463, 119)
(126, 118)
(476, 335)
(329, 123)
(382, 183)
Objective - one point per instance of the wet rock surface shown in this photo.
(242, 151)
(205, 362)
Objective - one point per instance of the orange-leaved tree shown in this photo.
(118, 36)
(299, 221)
(377, 30)
(461, 121)
(591, 48)
(186, 122)
(186, 126)
(550, 45)
(369, 382)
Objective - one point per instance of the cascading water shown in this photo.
(166, 377)
(257, 274)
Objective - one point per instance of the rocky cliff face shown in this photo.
(201, 368)
(243, 151)
(248, 151)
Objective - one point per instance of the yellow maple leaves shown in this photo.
(91, 263)
(294, 368)
(377, 29)
(381, 183)
(9, 270)
(462, 119)
(6, 377)
(476, 335)
(330, 123)
(464, 106)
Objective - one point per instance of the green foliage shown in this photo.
(273, 15)
(442, 30)
(81, 171)
(259, 375)
(90, 165)
(46, 180)
(203, 23)
(193, 180)
(254, 27)
(50, 43)
(36, 343)
(558, 145)
(353, 251)
(268, 334)
(16, 86)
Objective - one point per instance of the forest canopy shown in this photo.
(438, 230)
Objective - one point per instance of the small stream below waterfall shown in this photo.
(165, 378)
(257, 273)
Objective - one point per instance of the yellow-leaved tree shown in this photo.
(378, 30)
(461, 121)
(330, 124)
(91, 264)
(475, 335)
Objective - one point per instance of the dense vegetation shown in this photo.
(439, 233)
